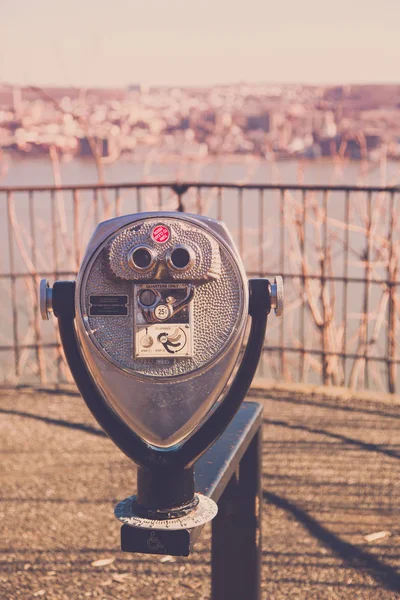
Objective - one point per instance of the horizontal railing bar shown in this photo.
(38, 274)
(329, 353)
(249, 273)
(10, 347)
(200, 184)
(339, 278)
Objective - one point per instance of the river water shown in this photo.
(30, 172)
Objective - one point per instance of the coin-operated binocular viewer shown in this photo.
(153, 332)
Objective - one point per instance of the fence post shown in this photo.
(236, 531)
(180, 189)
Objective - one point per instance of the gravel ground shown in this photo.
(331, 477)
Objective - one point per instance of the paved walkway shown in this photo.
(331, 478)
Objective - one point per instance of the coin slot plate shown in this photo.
(170, 339)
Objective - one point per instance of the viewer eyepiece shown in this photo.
(180, 258)
(141, 257)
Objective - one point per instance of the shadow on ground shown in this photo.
(331, 477)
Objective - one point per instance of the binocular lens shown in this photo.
(141, 258)
(180, 258)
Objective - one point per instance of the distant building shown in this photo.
(352, 146)
(85, 148)
(373, 141)
(261, 121)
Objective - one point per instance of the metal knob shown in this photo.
(277, 295)
(45, 299)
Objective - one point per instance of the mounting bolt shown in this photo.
(277, 295)
(45, 299)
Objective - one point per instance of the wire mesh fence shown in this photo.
(337, 248)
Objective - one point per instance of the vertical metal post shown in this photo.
(219, 204)
(13, 281)
(236, 532)
(366, 316)
(240, 222)
(225, 546)
(199, 201)
(54, 236)
(40, 358)
(261, 258)
(180, 189)
(76, 229)
(96, 207)
(282, 250)
(261, 233)
(303, 286)
(138, 199)
(117, 202)
(324, 301)
(391, 277)
(250, 517)
(345, 282)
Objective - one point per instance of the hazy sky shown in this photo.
(116, 42)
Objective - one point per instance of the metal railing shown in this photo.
(338, 249)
